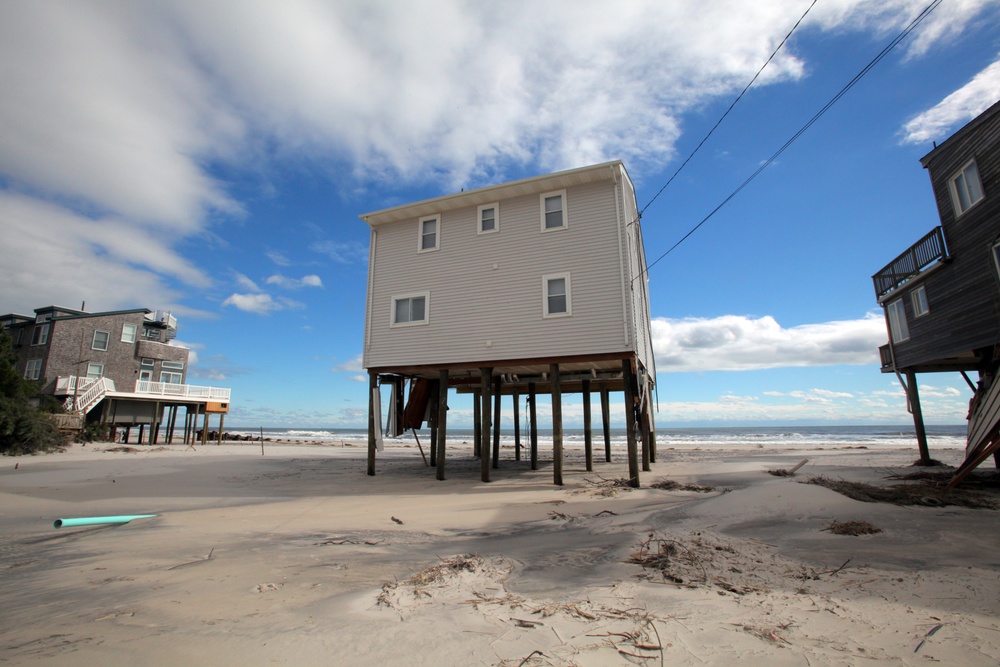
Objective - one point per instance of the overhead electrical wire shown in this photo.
(843, 91)
(731, 106)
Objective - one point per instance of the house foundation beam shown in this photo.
(477, 426)
(497, 389)
(372, 388)
(606, 421)
(516, 399)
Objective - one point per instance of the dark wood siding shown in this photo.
(963, 295)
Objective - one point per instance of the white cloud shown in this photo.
(261, 304)
(352, 366)
(294, 283)
(735, 342)
(957, 109)
(247, 284)
(342, 253)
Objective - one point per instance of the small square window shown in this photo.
(94, 371)
(489, 218)
(920, 306)
(430, 234)
(897, 322)
(556, 301)
(41, 335)
(409, 310)
(966, 188)
(101, 340)
(128, 332)
(553, 210)
(33, 370)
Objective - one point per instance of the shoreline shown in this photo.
(297, 557)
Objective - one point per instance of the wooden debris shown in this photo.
(852, 528)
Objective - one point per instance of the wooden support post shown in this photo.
(588, 433)
(533, 421)
(222, 425)
(442, 422)
(557, 432)
(432, 421)
(517, 426)
(606, 420)
(477, 426)
(644, 438)
(633, 454)
(142, 432)
(128, 432)
(913, 395)
(204, 432)
(485, 391)
(652, 433)
(497, 395)
(372, 388)
(154, 430)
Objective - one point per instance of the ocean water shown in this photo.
(722, 437)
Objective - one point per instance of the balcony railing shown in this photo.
(181, 390)
(67, 385)
(922, 253)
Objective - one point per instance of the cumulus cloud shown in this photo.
(957, 109)
(294, 283)
(351, 366)
(736, 342)
(260, 303)
(122, 115)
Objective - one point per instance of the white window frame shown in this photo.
(133, 332)
(545, 295)
(437, 233)
(426, 296)
(168, 377)
(496, 218)
(172, 365)
(95, 371)
(972, 188)
(107, 340)
(898, 328)
(43, 334)
(565, 214)
(918, 299)
(33, 369)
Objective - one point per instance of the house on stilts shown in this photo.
(119, 368)
(528, 287)
(942, 295)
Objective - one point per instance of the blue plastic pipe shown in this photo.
(98, 520)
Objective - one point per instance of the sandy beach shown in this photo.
(296, 557)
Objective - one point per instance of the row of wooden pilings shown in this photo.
(166, 414)
(640, 430)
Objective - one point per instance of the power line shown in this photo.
(843, 91)
(723, 117)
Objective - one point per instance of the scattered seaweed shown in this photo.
(852, 528)
(922, 492)
(606, 488)
(671, 485)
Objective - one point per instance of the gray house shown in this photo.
(536, 285)
(114, 367)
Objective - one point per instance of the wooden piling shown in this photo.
(913, 395)
(633, 454)
(477, 427)
(497, 395)
(532, 418)
(442, 423)
(485, 391)
(372, 388)
(606, 420)
(557, 432)
(517, 426)
(588, 436)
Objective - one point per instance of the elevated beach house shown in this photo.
(942, 295)
(536, 285)
(116, 367)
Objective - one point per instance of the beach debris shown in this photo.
(194, 562)
(930, 633)
(116, 614)
(922, 492)
(781, 472)
(606, 488)
(98, 520)
(852, 528)
(671, 485)
(266, 588)
(346, 540)
(399, 521)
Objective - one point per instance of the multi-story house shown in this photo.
(942, 295)
(537, 285)
(114, 367)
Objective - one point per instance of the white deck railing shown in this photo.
(182, 390)
(67, 385)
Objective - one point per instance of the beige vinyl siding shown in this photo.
(637, 280)
(486, 296)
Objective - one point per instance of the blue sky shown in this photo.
(212, 159)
